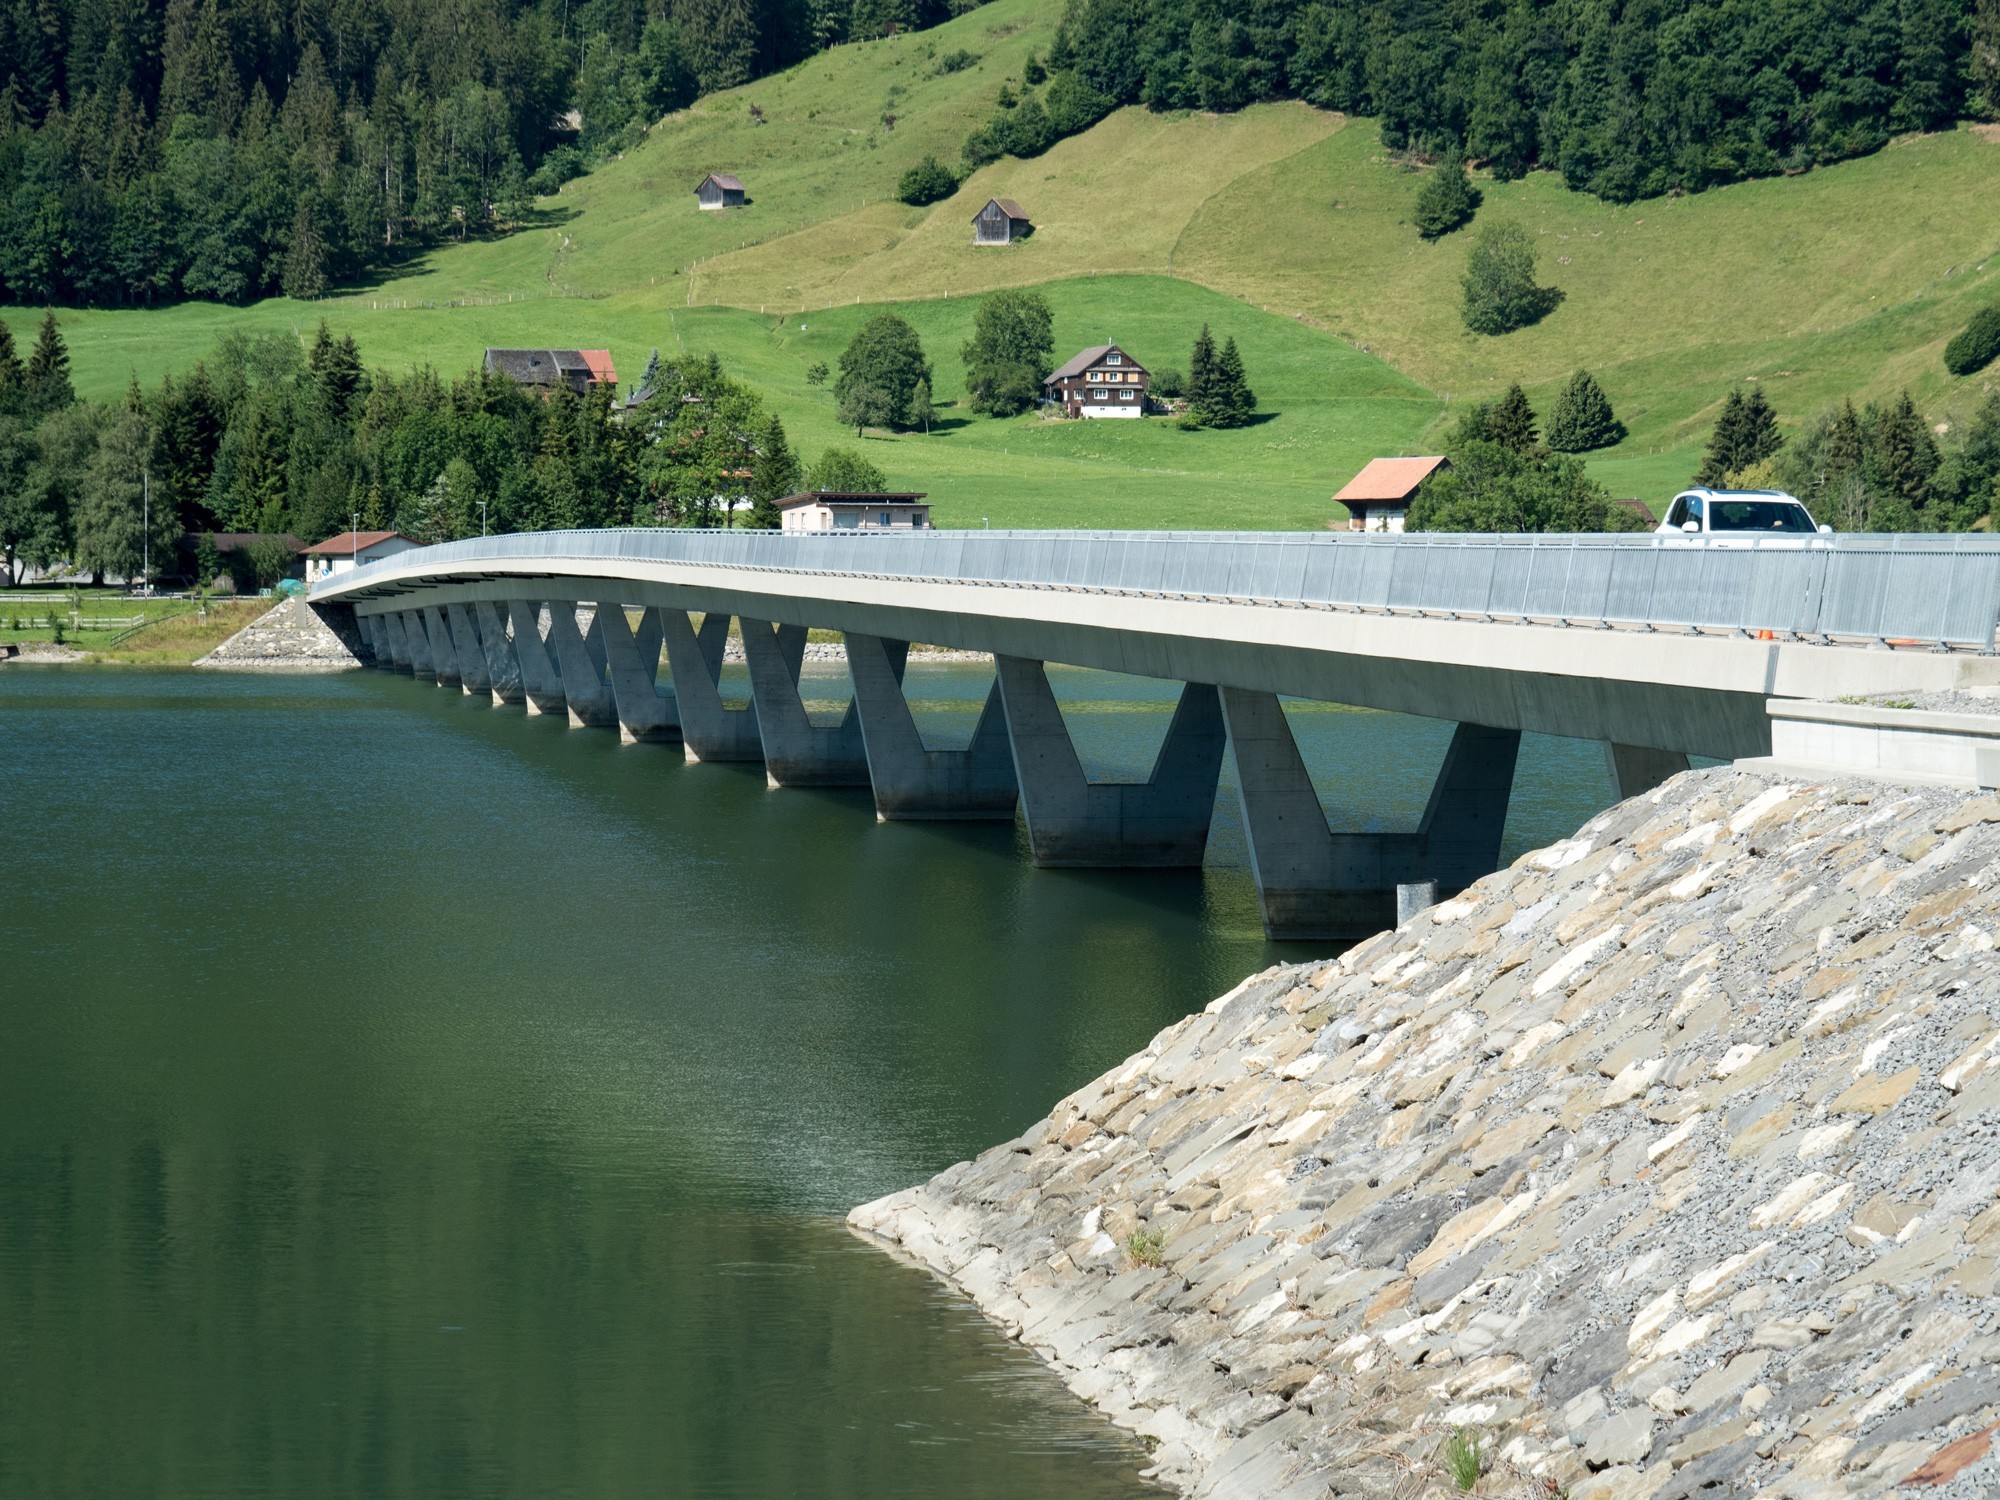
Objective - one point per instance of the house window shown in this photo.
(885, 518)
(1100, 395)
(1093, 375)
(1126, 395)
(1114, 359)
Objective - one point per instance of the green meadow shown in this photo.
(1283, 225)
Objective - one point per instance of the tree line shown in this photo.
(1626, 100)
(153, 150)
(265, 436)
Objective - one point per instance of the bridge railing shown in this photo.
(1937, 590)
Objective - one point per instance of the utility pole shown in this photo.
(482, 515)
(353, 541)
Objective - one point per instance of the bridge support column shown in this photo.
(914, 783)
(1161, 822)
(503, 672)
(399, 645)
(589, 700)
(1314, 883)
(710, 728)
(471, 660)
(1636, 769)
(419, 644)
(378, 641)
(645, 714)
(797, 752)
(541, 684)
(444, 653)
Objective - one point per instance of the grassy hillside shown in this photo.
(1282, 223)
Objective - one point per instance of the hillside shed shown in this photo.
(545, 369)
(719, 190)
(1001, 222)
(1103, 381)
(1378, 498)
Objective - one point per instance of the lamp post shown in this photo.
(145, 531)
(482, 515)
(353, 540)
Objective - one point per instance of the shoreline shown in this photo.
(1661, 1164)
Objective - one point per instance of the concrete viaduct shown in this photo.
(1658, 648)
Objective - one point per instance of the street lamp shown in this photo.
(145, 531)
(482, 515)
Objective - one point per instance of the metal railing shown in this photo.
(1941, 591)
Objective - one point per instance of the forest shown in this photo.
(1627, 99)
(158, 150)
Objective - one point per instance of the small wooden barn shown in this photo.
(1378, 498)
(719, 190)
(1000, 222)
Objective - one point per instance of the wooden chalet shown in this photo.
(1100, 382)
(719, 190)
(545, 369)
(1378, 498)
(1001, 222)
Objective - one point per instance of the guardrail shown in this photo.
(1942, 591)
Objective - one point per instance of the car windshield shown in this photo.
(1757, 515)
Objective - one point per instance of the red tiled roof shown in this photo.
(349, 542)
(600, 364)
(1385, 480)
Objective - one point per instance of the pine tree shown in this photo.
(1447, 199)
(1902, 455)
(304, 276)
(1761, 438)
(1724, 443)
(1846, 448)
(1201, 370)
(1510, 422)
(1582, 419)
(774, 474)
(335, 368)
(12, 376)
(45, 382)
(1228, 400)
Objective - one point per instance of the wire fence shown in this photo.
(1941, 591)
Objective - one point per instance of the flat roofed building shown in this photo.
(343, 551)
(855, 510)
(1001, 222)
(1103, 381)
(1378, 498)
(719, 190)
(545, 369)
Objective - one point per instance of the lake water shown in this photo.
(400, 1097)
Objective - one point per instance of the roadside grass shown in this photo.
(1286, 225)
(177, 635)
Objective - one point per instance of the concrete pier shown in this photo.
(646, 713)
(711, 730)
(912, 782)
(584, 689)
(1639, 768)
(1161, 822)
(503, 672)
(797, 752)
(541, 683)
(1314, 882)
(444, 653)
(471, 659)
(399, 644)
(418, 641)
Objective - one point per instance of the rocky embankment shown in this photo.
(1664, 1163)
(291, 636)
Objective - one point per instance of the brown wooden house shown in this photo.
(545, 369)
(1001, 222)
(1100, 382)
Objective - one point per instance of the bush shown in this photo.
(927, 182)
(1976, 345)
(1074, 106)
(842, 469)
(956, 61)
(1447, 200)
(1168, 384)
(1500, 290)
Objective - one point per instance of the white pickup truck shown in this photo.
(1706, 512)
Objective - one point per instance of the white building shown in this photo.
(339, 553)
(854, 510)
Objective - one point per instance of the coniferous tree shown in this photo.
(305, 258)
(1846, 447)
(45, 383)
(1510, 422)
(774, 474)
(1582, 419)
(1746, 433)
(1201, 370)
(1760, 437)
(1226, 400)
(1902, 455)
(1447, 199)
(12, 376)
